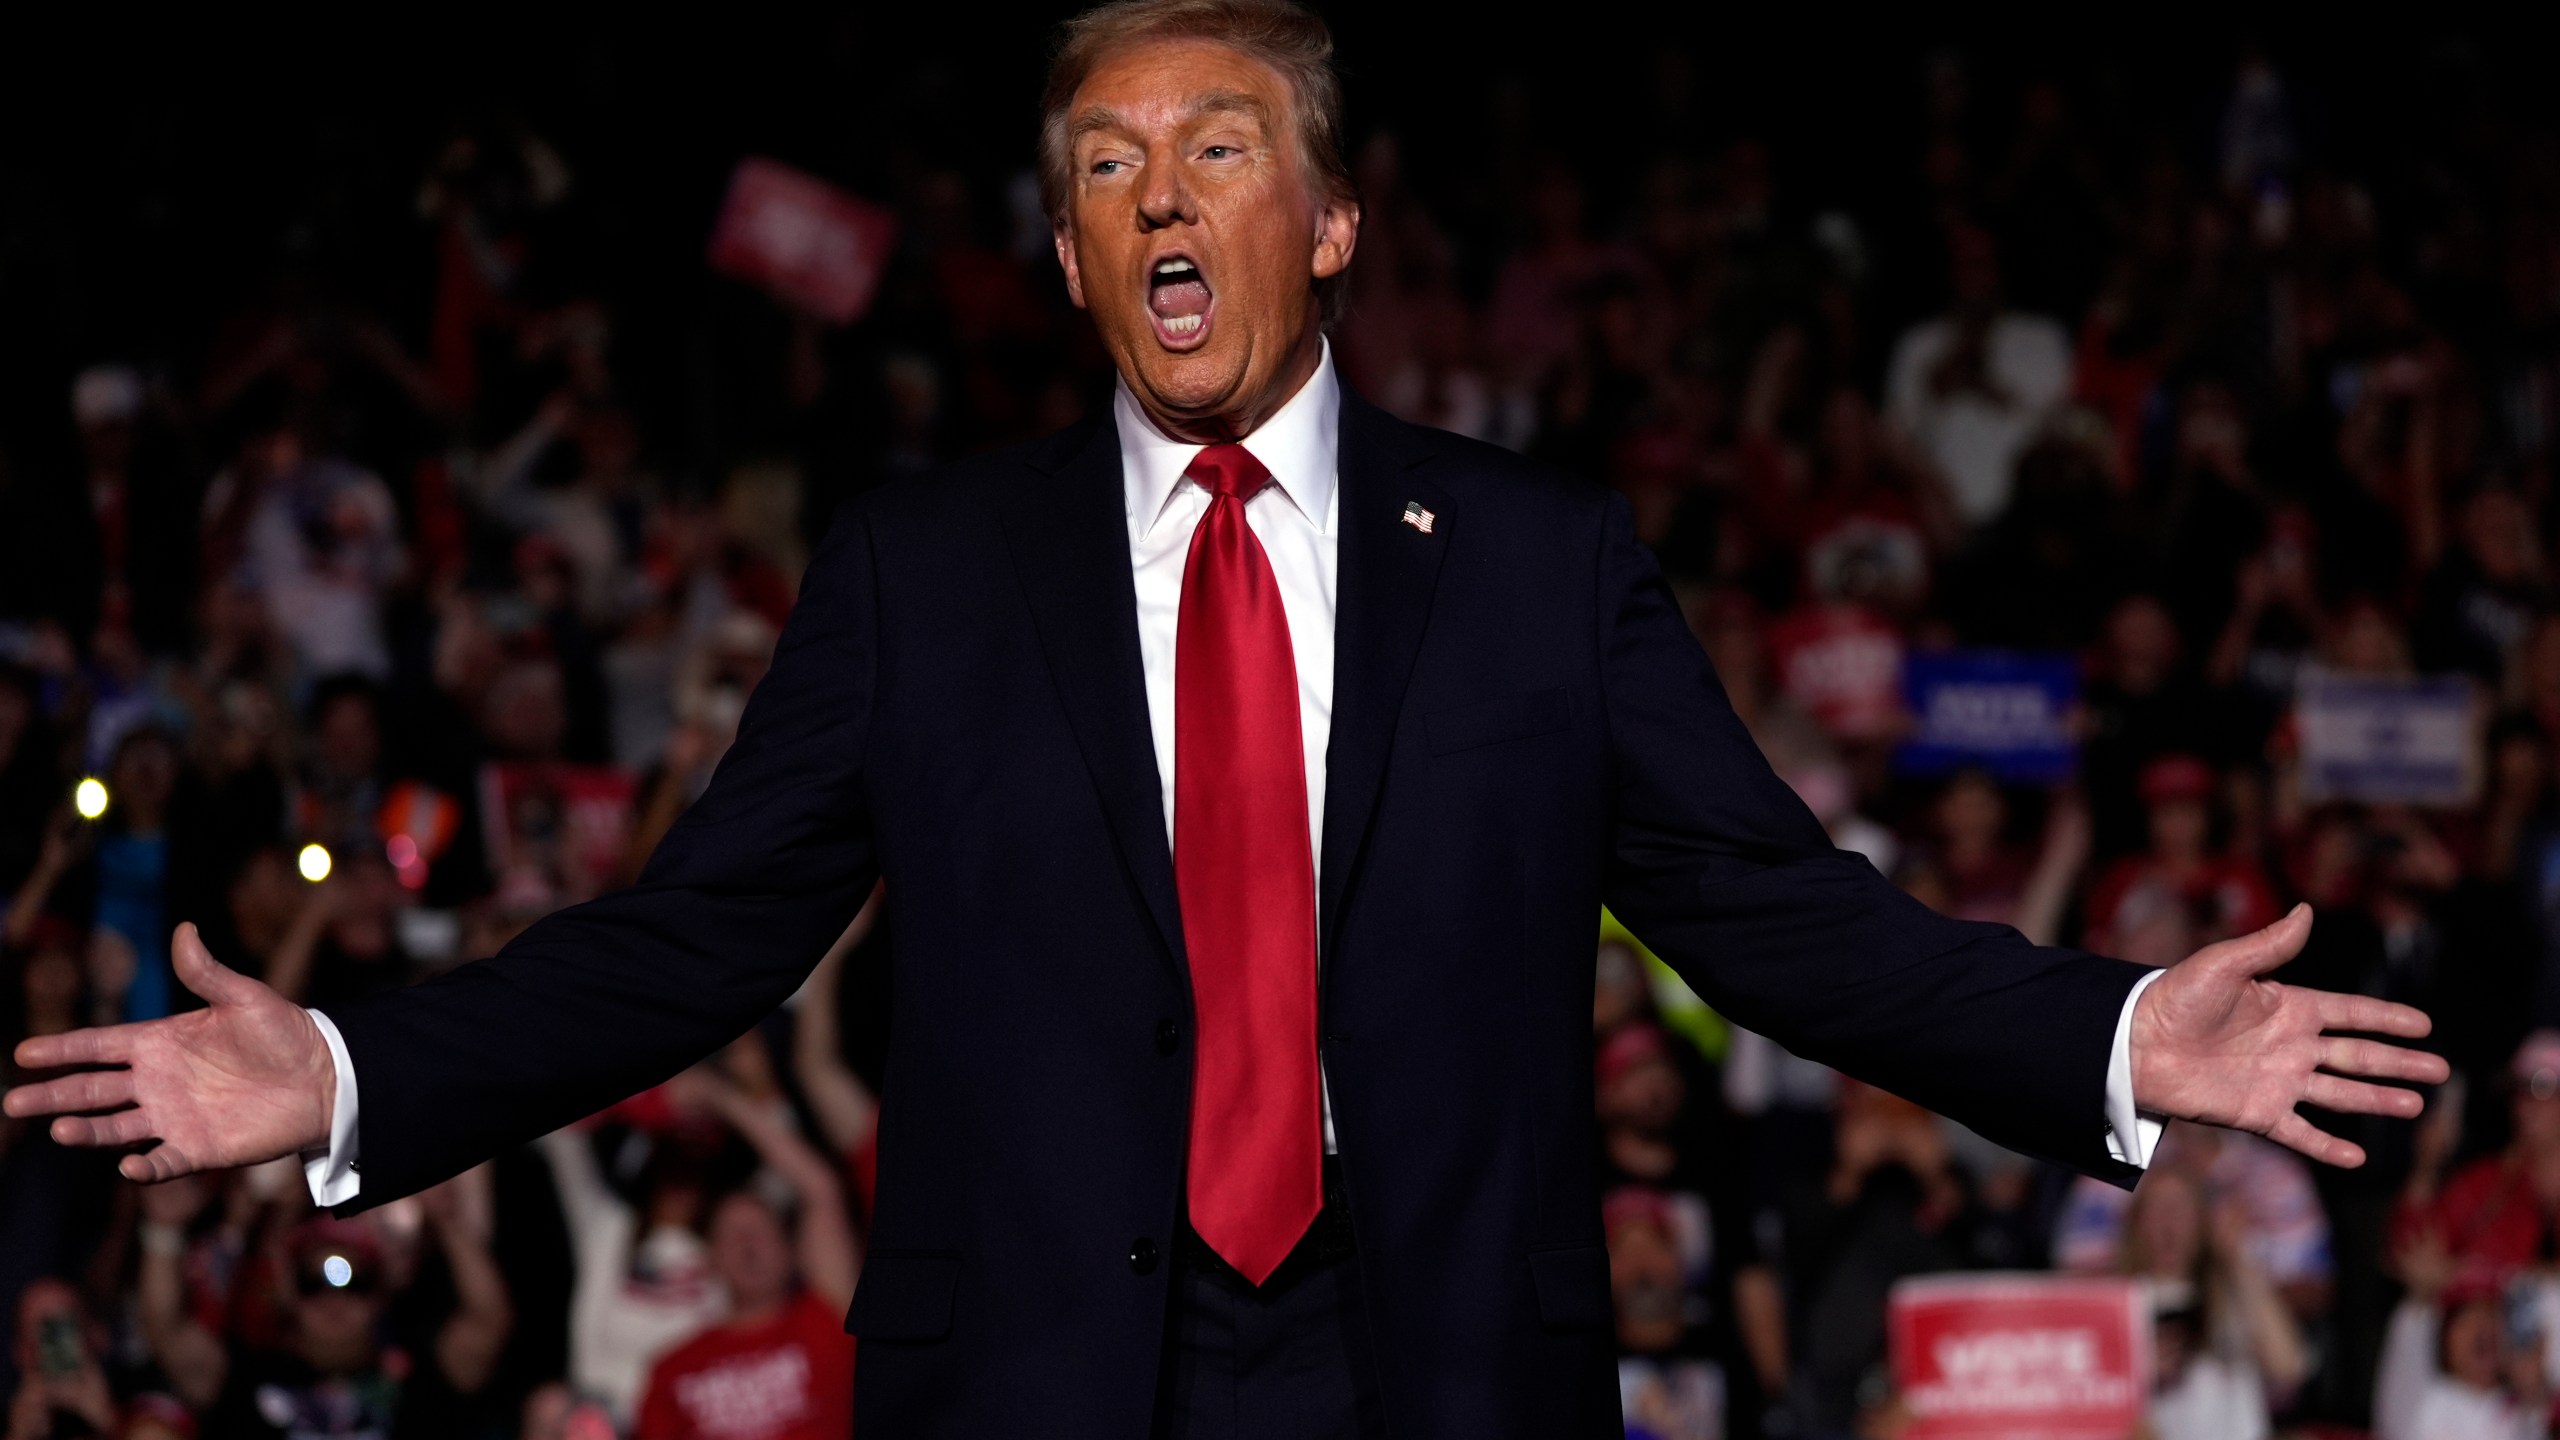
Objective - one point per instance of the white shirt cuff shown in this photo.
(2131, 1134)
(331, 1173)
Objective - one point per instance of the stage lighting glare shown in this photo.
(89, 797)
(315, 863)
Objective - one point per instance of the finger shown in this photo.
(125, 1127)
(122, 1128)
(88, 1090)
(2374, 1017)
(2383, 1062)
(2357, 1097)
(160, 1162)
(2260, 951)
(2295, 1133)
(215, 982)
(103, 1045)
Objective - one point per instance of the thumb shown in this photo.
(2263, 950)
(210, 979)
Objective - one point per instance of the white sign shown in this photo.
(2382, 740)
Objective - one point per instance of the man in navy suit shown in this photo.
(1246, 768)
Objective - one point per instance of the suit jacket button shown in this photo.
(1142, 1255)
(1168, 1037)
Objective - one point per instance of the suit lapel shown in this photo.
(1070, 544)
(1386, 570)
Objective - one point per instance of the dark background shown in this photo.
(158, 170)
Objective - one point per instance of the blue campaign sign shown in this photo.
(2003, 711)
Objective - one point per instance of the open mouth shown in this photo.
(1179, 301)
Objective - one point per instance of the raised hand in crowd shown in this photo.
(62, 1389)
(828, 1258)
(193, 1357)
(844, 1108)
(2275, 1339)
(469, 1343)
(67, 840)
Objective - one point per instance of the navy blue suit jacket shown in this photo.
(1523, 730)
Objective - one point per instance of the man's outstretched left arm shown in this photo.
(1726, 875)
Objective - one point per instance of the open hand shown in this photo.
(244, 1080)
(2214, 1041)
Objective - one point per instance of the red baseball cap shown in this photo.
(1627, 1047)
(1635, 1205)
(2176, 777)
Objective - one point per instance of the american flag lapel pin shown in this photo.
(1417, 517)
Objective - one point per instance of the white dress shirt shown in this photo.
(1294, 518)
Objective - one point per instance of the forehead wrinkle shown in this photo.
(1221, 100)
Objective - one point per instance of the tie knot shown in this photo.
(1228, 470)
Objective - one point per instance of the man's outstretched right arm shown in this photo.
(590, 1005)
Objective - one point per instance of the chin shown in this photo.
(1202, 383)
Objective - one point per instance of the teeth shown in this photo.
(1183, 324)
(1173, 267)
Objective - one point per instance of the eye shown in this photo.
(1218, 152)
(1106, 167)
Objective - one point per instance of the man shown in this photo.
(777, 1367)
(1245, 768)
(2500, 1210)
(1971, 386)
(335, 1376)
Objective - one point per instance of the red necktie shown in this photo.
(1245, 870)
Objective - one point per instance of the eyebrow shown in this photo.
(1220, 101)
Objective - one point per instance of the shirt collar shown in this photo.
(1299, 445)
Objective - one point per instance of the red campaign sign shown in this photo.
(2020, 1357)
(811, 243)
(1843, 664)
(557, 833)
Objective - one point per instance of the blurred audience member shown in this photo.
(644, 1275)
(62, 1387)
(2182, 893)
(2466, 1358)
(2228, 1347)
(780, 1364)
(334, 1373)
(1971, 386)
(2500, 1210)
(2255, 1185)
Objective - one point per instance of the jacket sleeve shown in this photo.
(602, 1000)
(1725, 874)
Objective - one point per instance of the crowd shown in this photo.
(380, 628)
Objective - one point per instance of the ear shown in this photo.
(1337, 233)
(1062, 233)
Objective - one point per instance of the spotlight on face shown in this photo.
(89, 797)
(315, 863)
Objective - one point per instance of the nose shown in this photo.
(1164, 197)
